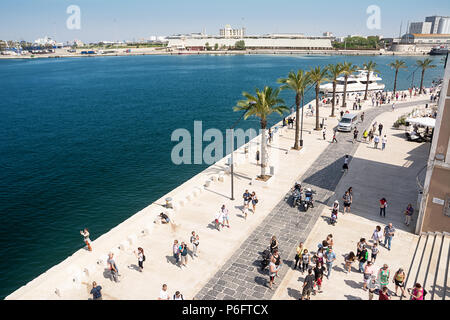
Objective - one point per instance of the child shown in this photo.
(375, 251)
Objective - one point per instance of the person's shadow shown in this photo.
(171, 259)
(134, 267)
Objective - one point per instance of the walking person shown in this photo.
(141, 258)
(257, 157)
(383, 206)
(96, 291)
(254, 201)
(225, 216)
(113, 268)
(355, 135)
(369, 271)
(383, 143)
(384, 294)
(383, 276)
(319, 269)
(219, 220)
(178, 296)
(277, 257)
(298, 256)
(306, 260)
(389, 232)
(376, 141)
(362, 117)
(195, 240)
(377, 235)
(308, 285)
(371, 136)
(380, 129)
(374, 253)
(372, 286)
(345, 166)
(334, 137)
(176, 251)
(347, 201)
(163, 294)
(349, 259)
(183, 254)
(87, 240)
(399, 280)
(330, 258)
(417, 292)
(273, 244)
(272, 272)
(360, 246)
(363, 256)
(365, 135)
(324, 133)
(408, 214)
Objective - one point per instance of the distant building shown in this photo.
(229, 32)
(420, 27)
(78, 43)
(328, 34)
(434, 20)
(45, 41)
(421, 43)
(434, 211)
(444, 26)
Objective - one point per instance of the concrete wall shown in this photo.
(435, 219)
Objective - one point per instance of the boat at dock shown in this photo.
(355, 83)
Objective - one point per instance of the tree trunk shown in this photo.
(345, 92)
(395, 81)
(317, 107)
(297, 121)
(421, 81)
(334, 99)
(367, 86)
(263, 148)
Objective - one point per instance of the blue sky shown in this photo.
(135, 19)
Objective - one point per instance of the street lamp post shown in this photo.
(301, 127)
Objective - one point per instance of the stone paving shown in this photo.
(241, 278)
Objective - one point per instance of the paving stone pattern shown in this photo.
(241, 278)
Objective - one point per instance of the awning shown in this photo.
(426, 122)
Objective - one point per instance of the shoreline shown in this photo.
(146, 52)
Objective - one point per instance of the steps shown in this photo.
(430, 264)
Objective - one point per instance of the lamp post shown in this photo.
(301, 127)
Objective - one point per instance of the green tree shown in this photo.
(370, 67)
(262, 105)
(347, 70)
(216, 46)
(397, 65)
(208, 48)
(318, 75)
(425, 65)
(334, 72)
(296, 82)
(240, 45)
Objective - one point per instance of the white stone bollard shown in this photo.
(148, 229)
(90, 269)
(181, 202)
(189, 197)
(102, 260)
(132, 239)
(207, 183)
(195, 193)
(124, 245)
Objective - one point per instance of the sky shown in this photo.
(110, 20)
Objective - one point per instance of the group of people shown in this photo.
(164, 295)
(249, 198)
(180, 251)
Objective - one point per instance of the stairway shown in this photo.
(430, 264)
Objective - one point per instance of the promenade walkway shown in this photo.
(240, 277)
(373, 174)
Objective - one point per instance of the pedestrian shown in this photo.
(272, 272)
(319, 269)
(399, 280)
(96, 291)
(345, 166)
(408, 214)
(113, 268)
(363, 256)
(355, 135)
(219, 220)
(384, 295)
(324, 133)
(347, 201)
(176, 251)
(277, 257)
(393, 107)
(183, 253)
(360, 245)
(308, 285)
(195, 240)
(383, 276)
(254, 201)
(257, 157)
(389, 232)
(370, 136)
(342, 113)
(306, 260)
(383, 143)
(369, 271)
(334, 137)
(298, 255)
(178, 296)
(330, 257)
(372, 286)
(141, 258)
(225, 216)
(377, 235)
(365, 135)
(330, 241)
(376, 140)
(362, 117)
(383, 206)
(375, 250)
(349, 259)
(273, 244)
(247, 197)
(380, 128)
(87, 240)
(163, 294)
(417, 293)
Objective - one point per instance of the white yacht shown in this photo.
(355, 83)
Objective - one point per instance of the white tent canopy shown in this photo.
(426, 122)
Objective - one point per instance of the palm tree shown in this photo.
(262, 106)
(296, 82)
(318, 76)
(334, 70)
(347, 69)
(397, 65)
(424, 64)
(370, 67)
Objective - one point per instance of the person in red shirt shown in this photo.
(383, 205)
(384, 294)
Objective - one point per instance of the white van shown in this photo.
(348, 122)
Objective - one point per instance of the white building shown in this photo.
(434, 20)
(45, 41)
(420, 27)
(229, 32)
(422, 43)
(444, 25)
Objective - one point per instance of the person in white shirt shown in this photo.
(163, 295)
(225, 216)
(383, 142)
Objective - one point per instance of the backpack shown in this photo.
(143, 258)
